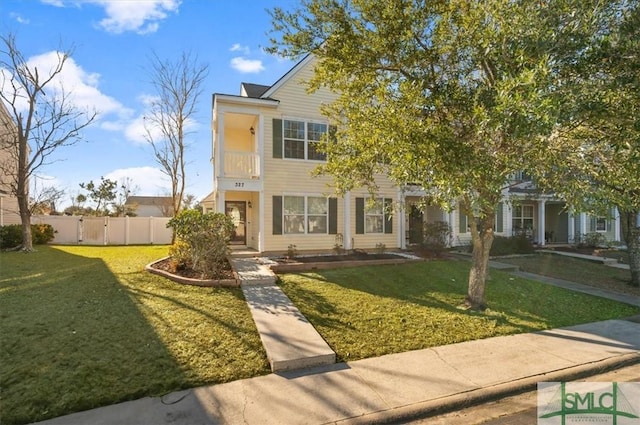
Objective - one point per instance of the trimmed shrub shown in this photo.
(592, 240)
(436, 235)
(42, 233)
(514, 245)
(202, 241)
(11, 235)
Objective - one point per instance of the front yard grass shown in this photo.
(371, 311)
(82, 327)
(576, 270)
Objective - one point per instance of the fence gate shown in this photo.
(92, 231)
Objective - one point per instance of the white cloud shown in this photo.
(19, 19)
(80, 87)
(247, 65)
(147, 181)
(237, 47)
(142, 17)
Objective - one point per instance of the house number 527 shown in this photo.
(239, 184)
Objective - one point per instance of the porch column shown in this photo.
(509, 216)
(261, 213)
(541, 222)
(346, 233)
(616, 228)
(220, 202)
(571, 226)
(219, 149)
(402, 216)
(583, 225)
(452, 225)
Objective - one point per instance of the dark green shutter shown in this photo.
(592, 224)
(359, 216)
(333, 216)
(388, 224)
(277, 138)
(499, 217)
(462, 222)
(277, 215)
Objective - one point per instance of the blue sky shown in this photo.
(112, 41)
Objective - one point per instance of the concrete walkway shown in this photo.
(611, 262)
(393, 388)
(289, 339)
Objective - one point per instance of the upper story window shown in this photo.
(301, 139)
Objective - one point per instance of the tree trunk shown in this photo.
(482, 238)
(631, 235)
(25, 218)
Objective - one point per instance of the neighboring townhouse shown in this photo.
(9, 211)
(150, 206)
(264, 151)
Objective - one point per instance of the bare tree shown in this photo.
(43, 118)
(43, 199)
(178, 86)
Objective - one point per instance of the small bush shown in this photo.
(42, 233)
(436, 235)
(11, 235)
(514, 245)
(381, 248)
(592, 240)
(292, 251)
(202, 241)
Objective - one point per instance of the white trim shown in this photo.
(239, 100)
(616, 228)
(347, 221)
(286, 77)
(261, 221)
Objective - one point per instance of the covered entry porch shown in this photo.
(244, 210)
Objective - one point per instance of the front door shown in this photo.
(237, 210)
(416, 225)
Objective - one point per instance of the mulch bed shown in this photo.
(167, 266)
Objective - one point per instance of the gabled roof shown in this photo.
(286, 77)
(253, 90)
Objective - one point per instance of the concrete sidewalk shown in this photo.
(395, 387)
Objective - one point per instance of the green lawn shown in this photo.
(371, 311)
(576, 270)
(82, 327)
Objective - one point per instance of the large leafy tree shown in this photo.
(595, 154)
(451, 95)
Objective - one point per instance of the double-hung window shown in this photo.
(374, 217)
(601, 224)
(305, 214)
(301, 139)
(522, 218)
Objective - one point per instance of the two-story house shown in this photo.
(264, 151)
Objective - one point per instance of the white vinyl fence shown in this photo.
(79, 230)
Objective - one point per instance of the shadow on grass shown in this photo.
(384, 309)
(72, 339)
